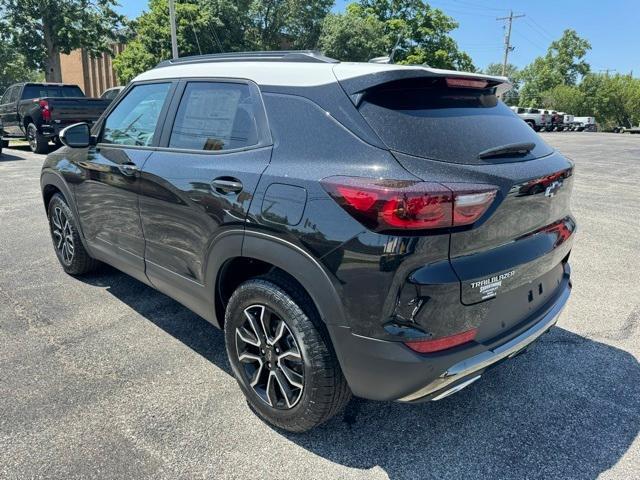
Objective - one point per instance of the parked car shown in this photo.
(111, 93)
(587, 124)
(38, 112)
(534, 117)
(567, 120)
(379, 230)
(2, 144)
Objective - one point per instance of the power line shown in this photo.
(535, 44)
(193, 29)
(537, 30)
(507, 39)
(544, 30)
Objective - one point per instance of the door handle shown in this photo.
(129, 169)
(227, 185)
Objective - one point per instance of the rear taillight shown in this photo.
(384, 205)
(45, 110)
(431, 345)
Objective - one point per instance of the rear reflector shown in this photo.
(384, 205)
(453, 82)
(442, 343)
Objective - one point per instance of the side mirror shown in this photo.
(77, 135)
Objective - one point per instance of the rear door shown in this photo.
(109, 184)
(512, 256)
(200, 183)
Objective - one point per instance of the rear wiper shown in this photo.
(509, 149)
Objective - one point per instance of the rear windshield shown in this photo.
(41, 91)
(424, 117)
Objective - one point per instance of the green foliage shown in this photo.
(214, 26)
(613, 100)
(353, 37)
(562, 65)
(371, 28)
(515, 77)
(566, 98)
(14, 67)
(42, 29)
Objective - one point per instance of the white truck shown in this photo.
(588, 124)
(534, 117)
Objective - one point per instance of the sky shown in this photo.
(612, 27)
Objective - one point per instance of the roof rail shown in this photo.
(305, 56)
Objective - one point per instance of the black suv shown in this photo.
(382, 230)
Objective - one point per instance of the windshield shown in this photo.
(424, 117)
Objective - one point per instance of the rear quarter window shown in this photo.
(424, 117)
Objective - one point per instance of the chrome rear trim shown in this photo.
(483, 360)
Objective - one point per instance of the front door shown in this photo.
(200, 183)
(107, 194)
(9, 111)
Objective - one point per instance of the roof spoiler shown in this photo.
(355, 83)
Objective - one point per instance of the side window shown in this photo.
(6, 98)
(215, 116)
(134, 120)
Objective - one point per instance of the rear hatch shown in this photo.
(456, 132)
(78, 109)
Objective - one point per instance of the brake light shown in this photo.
(431, 345)
(45, 110)
(453, 82)
(383, 205)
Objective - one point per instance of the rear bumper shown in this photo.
(383, 370)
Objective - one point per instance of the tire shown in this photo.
(37, 142)
(66, 238)
(323, 390)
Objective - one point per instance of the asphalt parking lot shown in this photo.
(103, 377)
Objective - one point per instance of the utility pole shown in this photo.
(507, 39)
(172, 21)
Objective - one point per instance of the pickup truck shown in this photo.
(534, 117)
(587, 124)
(38, 112)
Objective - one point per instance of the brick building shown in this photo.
(92, 75)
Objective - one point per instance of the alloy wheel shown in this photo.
(62, 235)
(31, 138)
(270, 358)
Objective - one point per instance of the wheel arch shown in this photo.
(260, 254)
(50, 184)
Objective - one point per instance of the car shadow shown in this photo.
(8, 157)
(568, 408)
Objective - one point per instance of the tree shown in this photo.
(613, 100)
(291, 23)
(563, 64)
(43, 29)
(353, 37)
(420, 32)
(13, 67)
(213, 26)
(514, 76)
(566, 98)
